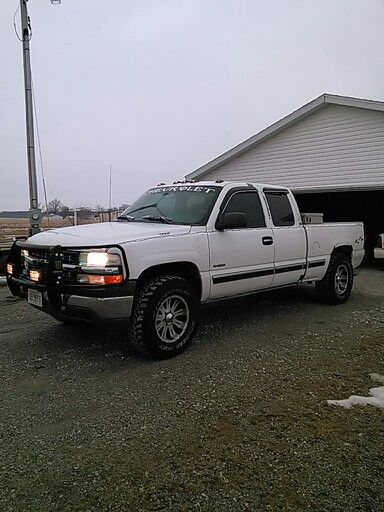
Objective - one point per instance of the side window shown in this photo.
(249, 204)
(281, 210)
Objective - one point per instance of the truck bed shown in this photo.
(323, 238)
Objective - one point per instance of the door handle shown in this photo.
(267, 240)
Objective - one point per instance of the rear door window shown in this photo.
(281, 209)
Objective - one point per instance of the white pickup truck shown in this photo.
(178, 246)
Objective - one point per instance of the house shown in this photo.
(330, 152)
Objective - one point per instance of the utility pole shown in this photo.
(35, 215)
(110, 192)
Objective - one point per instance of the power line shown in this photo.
(14, 23)
(40, 151)
(15, 27)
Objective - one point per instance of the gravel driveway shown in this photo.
(238, 422)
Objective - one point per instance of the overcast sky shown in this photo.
(158, 88)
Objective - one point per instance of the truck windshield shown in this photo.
(181, 204)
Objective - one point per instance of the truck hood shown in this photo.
(105, 233)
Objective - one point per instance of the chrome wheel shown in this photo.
(171, 319)
(341, 279)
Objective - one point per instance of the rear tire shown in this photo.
(336, 285)
(164, 316)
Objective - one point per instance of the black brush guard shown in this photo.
(57, 284)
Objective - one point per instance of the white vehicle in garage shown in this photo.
(178, 246)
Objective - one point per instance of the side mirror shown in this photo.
(231, 220)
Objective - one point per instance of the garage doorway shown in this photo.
(367, 207)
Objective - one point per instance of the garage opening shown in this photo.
(367, 207)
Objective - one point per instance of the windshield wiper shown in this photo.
(154, 205)
(157, 218)
(128, 218)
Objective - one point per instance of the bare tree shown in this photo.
(55, 206)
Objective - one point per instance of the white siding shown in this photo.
(335, 147)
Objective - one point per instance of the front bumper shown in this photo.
(63, 298)
(83, 307)
(103, 308)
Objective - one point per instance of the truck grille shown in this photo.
(50, 263)
(36, 259)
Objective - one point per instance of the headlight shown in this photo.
(100, 267)
(99, 259)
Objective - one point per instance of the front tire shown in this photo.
(164, 316)
(336, 285)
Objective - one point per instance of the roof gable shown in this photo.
(296, 116)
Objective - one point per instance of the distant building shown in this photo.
(17, 214)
